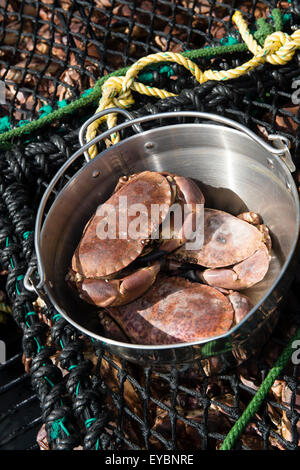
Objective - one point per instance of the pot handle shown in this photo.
(97, 116)
(282, 151)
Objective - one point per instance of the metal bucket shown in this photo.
(237, 171)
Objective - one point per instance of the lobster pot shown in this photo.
(236, 171)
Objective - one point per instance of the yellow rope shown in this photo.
(278, 49)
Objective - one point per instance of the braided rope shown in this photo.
(260, 395)
(279, 48)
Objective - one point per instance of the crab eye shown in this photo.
(221, 239)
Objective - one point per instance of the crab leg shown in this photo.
(255, 219)
(251, 217)
(242, 275)
(104, 293)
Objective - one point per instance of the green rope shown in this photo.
(89, 421)
(264, 28)
(260, 395)
(278, 19)
(93, 96)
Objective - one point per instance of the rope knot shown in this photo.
(115, 95)
(279, 48)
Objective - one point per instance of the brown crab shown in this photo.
(103, 268)
(175, 310)
(236, 251)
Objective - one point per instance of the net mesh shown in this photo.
(54, 51)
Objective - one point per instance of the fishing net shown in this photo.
(52, 56)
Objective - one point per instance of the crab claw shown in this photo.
(241, 305)
(242, 275)
(104, 293)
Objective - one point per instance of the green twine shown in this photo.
(19, 278)
(87, 92)
(56, 428)
(30, 313)
(23, 122)
(89, 421)
(229, 40)
(7, 243)
(260, 395)
(39, 347)
(62, 103)
(48, 380)
(26, 234)
(56, 317)
(146, 77)
(286, 17)
(4, 124)
(45, 110)
(167, 69)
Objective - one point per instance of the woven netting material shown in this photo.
(89, 398)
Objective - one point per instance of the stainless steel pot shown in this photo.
(237, 171)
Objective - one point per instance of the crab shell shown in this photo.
(99, 264)
(236, 250)
(176, 310)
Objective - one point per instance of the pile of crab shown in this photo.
(154, 289)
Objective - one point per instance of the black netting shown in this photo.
(53, 51)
